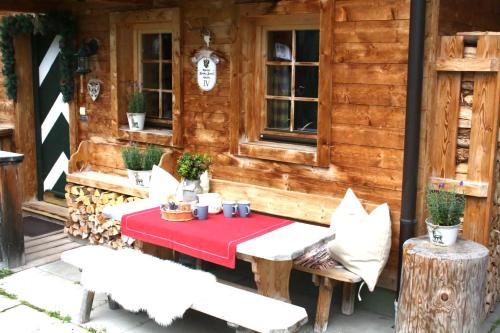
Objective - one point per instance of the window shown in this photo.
(283, 91)
(291, 79)
(145, 49)
(155, 75)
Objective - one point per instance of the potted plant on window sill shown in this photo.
(140, 164)
(136, 111)
(190, 167)
(446, 209)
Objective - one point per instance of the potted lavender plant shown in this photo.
(446, 209)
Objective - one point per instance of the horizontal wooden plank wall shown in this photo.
(368, 84)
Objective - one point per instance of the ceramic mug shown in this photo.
(200, 211)
(244, 208)
(229, 208)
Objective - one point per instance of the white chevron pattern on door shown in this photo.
(58, 108)
(57, 170)
(48, 59)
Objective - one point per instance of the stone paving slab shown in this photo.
(23, 319)
(7, 303)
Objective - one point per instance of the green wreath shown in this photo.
(62, 24)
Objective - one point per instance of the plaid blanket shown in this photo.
(317, 258)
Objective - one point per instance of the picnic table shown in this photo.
(271, 254)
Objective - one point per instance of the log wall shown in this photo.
(370, 40)
(369, 87)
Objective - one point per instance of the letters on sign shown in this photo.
(207, 73)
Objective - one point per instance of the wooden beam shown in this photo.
(467, 65)
(466, 187)
(24, 139)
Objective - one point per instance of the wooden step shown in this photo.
(51, 251)
(28, 239)
(29, 249)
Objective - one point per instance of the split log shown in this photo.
(463, 137)
(462, 155)
(442, 288)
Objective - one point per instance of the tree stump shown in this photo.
(442, 288)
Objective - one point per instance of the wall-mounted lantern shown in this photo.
(83, 55)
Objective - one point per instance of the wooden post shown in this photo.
(11, 222)
(442, 288)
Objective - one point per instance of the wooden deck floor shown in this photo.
(44, 249)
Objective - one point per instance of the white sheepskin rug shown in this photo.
(162, 288)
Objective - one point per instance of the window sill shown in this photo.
(157, 136)
(283, 152)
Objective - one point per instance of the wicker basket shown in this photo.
(176, 215)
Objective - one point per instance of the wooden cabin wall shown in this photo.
(465, 15)
(369, 93)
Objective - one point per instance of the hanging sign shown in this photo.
(206, 64)
(207, 73)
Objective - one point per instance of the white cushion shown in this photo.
(162, 185)
(349, 210)
(362, 242)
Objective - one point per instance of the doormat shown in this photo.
(34, 226)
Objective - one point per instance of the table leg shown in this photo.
(272, 277)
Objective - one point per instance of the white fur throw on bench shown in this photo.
(165, 290)
(142, 282)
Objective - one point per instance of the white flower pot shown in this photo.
(442, 235)
(136, 121)
(139, 178)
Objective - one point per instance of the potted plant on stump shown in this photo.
(190, 167)
(139, 164)
(446, 209)
(136, 111)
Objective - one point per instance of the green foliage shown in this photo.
(152, 156)
(494, 326)
(4, 272)
(191, 166)
(6, 294)
(136, 159)
(445, 207)
(58, 23)
(136, 103)
(132, 158)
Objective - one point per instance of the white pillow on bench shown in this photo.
(162, 185)
(362, 242)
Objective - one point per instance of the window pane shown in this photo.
(279, 80)
(152, 103)
(279, 45)
(167, 105)
(306, 81)
(167, 76)
(150, 76)
(306, 116)
(278, 114)
(307, 45)
(167, 46)
(150, 47)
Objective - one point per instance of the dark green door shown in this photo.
(52, 117)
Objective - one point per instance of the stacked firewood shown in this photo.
(86, 221)
(493, 277)
(464, 118)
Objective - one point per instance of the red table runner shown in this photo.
(213, 240)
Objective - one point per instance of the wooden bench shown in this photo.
(305, 207)
(240, 308)
(99, 165)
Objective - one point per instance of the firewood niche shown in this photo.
(86, 221)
